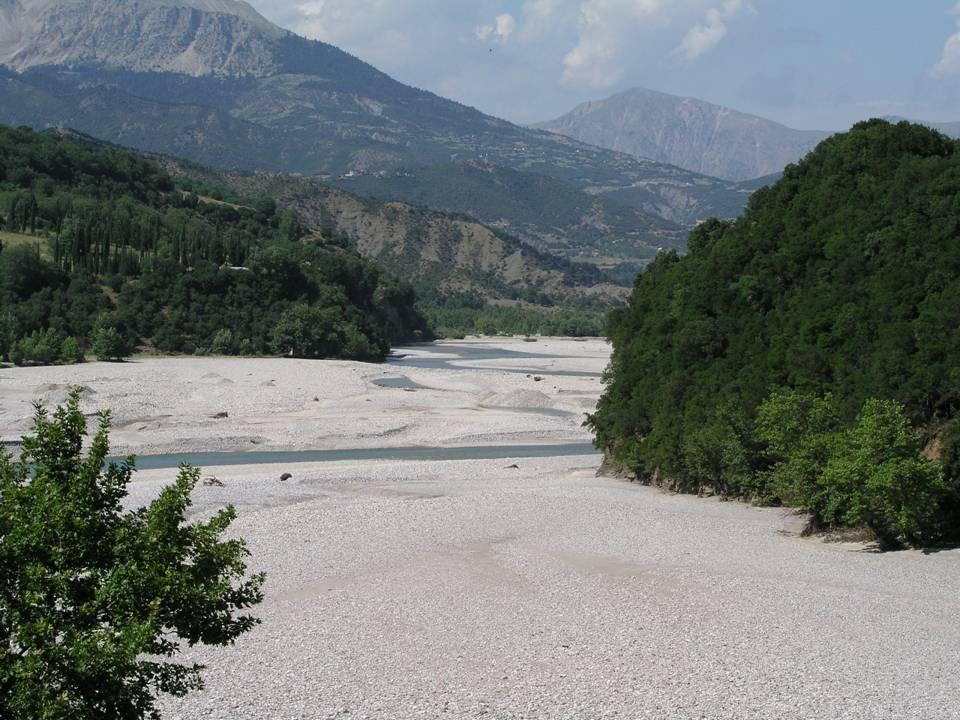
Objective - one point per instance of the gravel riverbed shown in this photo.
(471, 590)
(526, 588)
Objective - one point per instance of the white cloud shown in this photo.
(706, 35)
(603, 27)
(542, 18)
(950, 59)
(590, 43)
(499, 32)
(333, 20)
(558, 49)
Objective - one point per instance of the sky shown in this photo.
(811, 64)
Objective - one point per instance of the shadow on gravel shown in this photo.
(941, 548)
(875, 548)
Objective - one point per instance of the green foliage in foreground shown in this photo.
(808, 353)
(169, 270)
(96, 601)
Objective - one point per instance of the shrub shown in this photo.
(109, 345)
(223, 343)
(70, 351)
(869, 474)
(876, 477)
(40, 348)
(797, 429)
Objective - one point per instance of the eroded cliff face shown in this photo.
(190, 37)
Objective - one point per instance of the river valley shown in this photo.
(444, 547)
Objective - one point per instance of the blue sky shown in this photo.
(820, 64)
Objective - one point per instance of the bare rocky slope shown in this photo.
(193, 37)
(691, 134)
(212, 81)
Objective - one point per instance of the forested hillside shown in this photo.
(809, 352)
(102, 251)
(469, 278)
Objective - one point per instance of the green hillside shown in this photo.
(100, 242)
(809, 352)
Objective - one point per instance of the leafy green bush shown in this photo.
(876, 477)
(96, 601)
(720, 454)
(869, 474)
(798, 431)
(223, 343)
(38, 348)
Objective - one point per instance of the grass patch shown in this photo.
(12, 239)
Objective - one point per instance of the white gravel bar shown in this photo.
(476, 589)
(213, 403)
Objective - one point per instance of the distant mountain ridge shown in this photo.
(212, 81)
(691, 134)
(950, 129)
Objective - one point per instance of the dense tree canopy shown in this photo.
(90, 231)
(841, 283)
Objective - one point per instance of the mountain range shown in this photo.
(950, 129)
(216, 83)
(691, 134)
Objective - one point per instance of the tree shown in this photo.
(108, 344)
(306, 331)
(96, 600)
(70, 351)
(840, 280)
(41, 347)
(223, 343)
(166, 269)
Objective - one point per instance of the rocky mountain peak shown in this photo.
(190, 37)
(688, 133)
